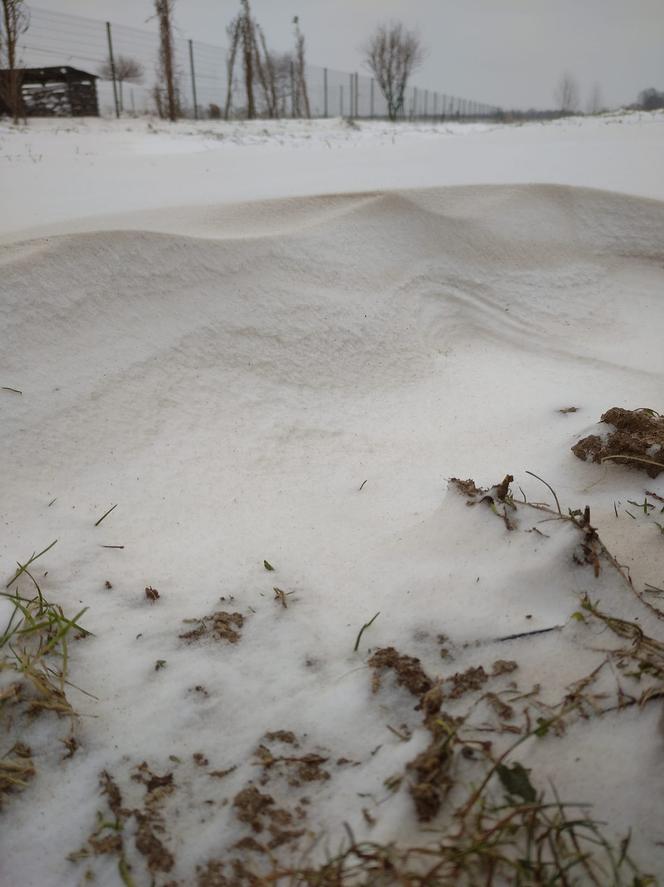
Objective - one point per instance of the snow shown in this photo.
(226, 329)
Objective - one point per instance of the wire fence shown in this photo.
(202, 87)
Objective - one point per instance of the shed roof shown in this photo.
(59, 73)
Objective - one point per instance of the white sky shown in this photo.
(504, 52)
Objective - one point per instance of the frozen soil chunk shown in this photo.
(637, 440)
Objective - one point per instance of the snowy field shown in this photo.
(271, 345)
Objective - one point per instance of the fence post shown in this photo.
(193, 77)
(372, 97)
(341, 100)
(112, 61)
(325, 92)
(426, 102)
(357, 94)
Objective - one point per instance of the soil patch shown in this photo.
(637, 441)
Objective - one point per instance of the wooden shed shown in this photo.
(60, 91)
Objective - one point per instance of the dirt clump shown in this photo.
(407, 669)
(222, 626)
(286, 736)
(295, 768)
(251, 806)
(465, 681)
(637, 441)
(259, 810)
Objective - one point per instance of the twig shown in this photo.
(524, 634)
(15, 390)
(362, 484)
(106, 514)
(362, 630)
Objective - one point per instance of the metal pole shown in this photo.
(426, 102)
(341, 100)
(292, 86)
(357, 94)
(325, 91)
(112, 61)
(193, 77)
(372, 97)
(352, 91)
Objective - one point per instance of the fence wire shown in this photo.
(202, 88)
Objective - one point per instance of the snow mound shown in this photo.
(230, 376)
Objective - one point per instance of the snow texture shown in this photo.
(226, 330)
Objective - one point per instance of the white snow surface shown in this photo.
(226, 329)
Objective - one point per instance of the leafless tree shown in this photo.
(267, 73)
(242, 38)
(164, 12)
(392, 54)
(126, 69)
(567, 94)
(233, 32)
(650, 99)
(247, 30)
(301, 97)
(259, 65)
(15, 21)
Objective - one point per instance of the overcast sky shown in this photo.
(504, 52)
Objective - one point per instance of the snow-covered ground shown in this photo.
(278, 341)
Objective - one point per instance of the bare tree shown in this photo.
(233, 32)
(259, 65)
(300, 85)
(242, 38)
(567, 94)
(248, 56)
(392, 54)
(650, 99)
(126, 70)
(164, 13)
(15, 21)
(267, 73)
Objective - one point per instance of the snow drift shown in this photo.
(230, 378)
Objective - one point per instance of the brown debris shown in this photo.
(503, 666)
(151, 594)
(590, 547)
(638, 433)
(431, 768)
(408, 670)
(303, 768)
(221, 774)
(467, 487)
(72, 745)
(282, 736)
(251, 806)
(159, 859)
(504, 711)
(465, 681)
(221, 625)
(16, 770)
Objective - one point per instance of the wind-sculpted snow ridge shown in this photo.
(264, 403)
